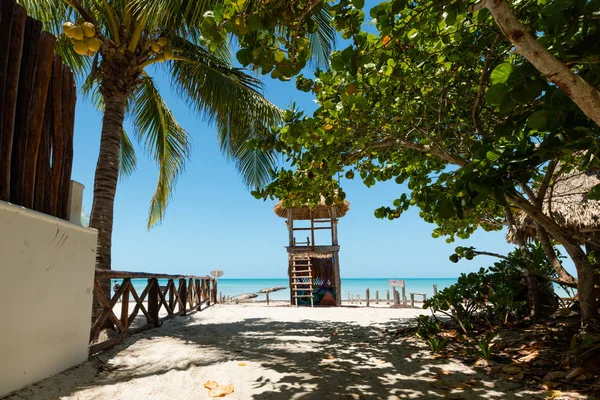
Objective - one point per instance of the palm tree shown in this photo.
(113, 46)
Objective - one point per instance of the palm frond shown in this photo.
(166, 141)
(127, 157)
(322, 42)
(231, 100)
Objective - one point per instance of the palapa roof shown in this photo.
(567, 203)
(319, 212)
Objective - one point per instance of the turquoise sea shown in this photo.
(354, 286)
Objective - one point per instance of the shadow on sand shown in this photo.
(305, 359)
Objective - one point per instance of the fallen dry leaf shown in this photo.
(211, 384)
(552, 394)
(457, 396)
(221, 391)
(575, 373)
(550, 376)
(520, 375)
(242, 364)
(549, 385)
(581, 377)
(508, 369)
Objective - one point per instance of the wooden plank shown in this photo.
(153, 301)
(171, 290)
(43, 163)
(7, 13)
(111, 274)
(108, 312)
(9, 87)
(37, 113)
(31, 47)
(125, 305)
(163, 300)
(139, 305)
(60, 93)
(183, 294)
(68, 110)
(290, 226)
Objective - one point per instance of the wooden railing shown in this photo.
(37, 115)
(157, 303)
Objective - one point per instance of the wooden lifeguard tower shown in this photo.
(313, 269)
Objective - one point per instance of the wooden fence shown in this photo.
(37, 115)
(157, 303)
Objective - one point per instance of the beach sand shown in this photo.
(276, 352)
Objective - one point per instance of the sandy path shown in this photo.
(285, 353)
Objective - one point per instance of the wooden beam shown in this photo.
(153, 301)
(31, 49)
(111, 274)
(37, 113)
(9, 86)
(125, 305)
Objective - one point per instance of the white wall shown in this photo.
(46, 283)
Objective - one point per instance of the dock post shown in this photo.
(412, 300)
(396, 298)
(368, 297)
(434, 290)
(267, 298)
(404, 295)
(377, 297)
(387, 295)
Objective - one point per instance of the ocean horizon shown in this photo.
(350, 286)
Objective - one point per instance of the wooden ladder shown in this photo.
(302, 278)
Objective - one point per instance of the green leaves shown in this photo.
(501, 74)
(538, 120)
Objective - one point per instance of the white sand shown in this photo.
(276, 352)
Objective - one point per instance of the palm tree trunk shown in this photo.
(105, 185)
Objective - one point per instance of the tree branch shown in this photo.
(582, 93)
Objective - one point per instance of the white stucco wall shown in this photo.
(46, 282)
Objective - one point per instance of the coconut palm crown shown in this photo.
(113, 46)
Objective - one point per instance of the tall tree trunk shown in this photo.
(105, 184)
(585, 271)
(563, 275)
(533, 289)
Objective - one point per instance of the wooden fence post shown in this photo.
(403, 296)
(387, 295)
(171, 290)
(412, 300)
(368, 297)
(125, 304)
(377, 297)
(434, 290)
(183, 294)
(396, 298)
(153, 301)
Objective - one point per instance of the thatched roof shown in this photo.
(567, 203)
(322, 211)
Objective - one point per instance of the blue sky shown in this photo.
(214, 223)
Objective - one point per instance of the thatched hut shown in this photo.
(313, 269)
(567, 203)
